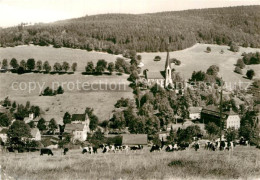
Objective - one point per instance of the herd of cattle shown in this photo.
(208, 145)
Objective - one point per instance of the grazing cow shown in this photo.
(155, 148)
(230, 146)
(138, 147)
(124, 148)
(169, 148)
(109, 148)
(46, 151)
(196, 146)
(89, 149)
(65, 150)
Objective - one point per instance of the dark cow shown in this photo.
(138, 147)
(196, 146)
(65, 150)
(155, 148)
(46, 151)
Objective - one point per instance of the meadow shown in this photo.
(195, 59)
(75, 101)
(243, 163)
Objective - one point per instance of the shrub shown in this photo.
(208, 49)
(238, 70)
(250, 74)
(157, 58)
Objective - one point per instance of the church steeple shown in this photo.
(168, 70)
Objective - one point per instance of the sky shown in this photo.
(13, 12)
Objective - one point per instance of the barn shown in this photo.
(134, 139)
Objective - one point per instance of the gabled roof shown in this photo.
(78, 117)
(193, 110)
(154, 75)
(34, 132)
(134, 139)
(213, 110)
(74, 127)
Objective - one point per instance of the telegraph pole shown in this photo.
(220, 111)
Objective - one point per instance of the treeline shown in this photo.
(251, 58)
(32, 66)
(119, 33)
(120, 66)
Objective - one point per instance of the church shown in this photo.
(164, 79)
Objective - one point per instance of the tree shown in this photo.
(5, 64)
(74, 66)
(46, 66)
(65, 66)
(234, 47)
(7, 102)
(57, 67)
(41, 125)
(5, 121)
(157, 58)
(23, 64)
(101, 66)
(250, 74)
(60, 90)
(14, 63)
(172, 136)
(30, 64)
(212, 129)
(52, 125)
(213, 70)
(240, 63)
(90, 68)
(111, 67)
(93, 118)
(231, 134)
(118, 120)
(39, 65)
(67, 118)
(208, 49)
(31, 124)
(14, 105)
(19, 130)
(238, 70)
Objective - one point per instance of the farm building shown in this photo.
(194, 112)
(134, 139)
(77, 131)
(36, 134)
(212, 114)
(29, 118)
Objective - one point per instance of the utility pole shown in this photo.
(220, 110)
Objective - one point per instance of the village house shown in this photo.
(212, 114)
(36, 134)
(194, 112)
(79, 127)
(29, 119)
(134, 139)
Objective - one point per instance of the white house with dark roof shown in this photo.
(77, 131)
(79, 127)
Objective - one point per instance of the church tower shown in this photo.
(168, 70)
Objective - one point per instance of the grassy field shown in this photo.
(195, 59)
(74, 100)
(243, 163)
(53, 55)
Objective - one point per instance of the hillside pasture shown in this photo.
(74, 100)
(53, 55)
(196, 59)
(243, 163)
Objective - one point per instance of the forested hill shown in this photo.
(115, 33)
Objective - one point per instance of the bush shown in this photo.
(208, 49)
(240, 63)
(250, 74)
(238, 70)
(234, 47)
(157, 58)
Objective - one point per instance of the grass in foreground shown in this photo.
(242, 163)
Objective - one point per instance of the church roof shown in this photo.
(154, 75)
